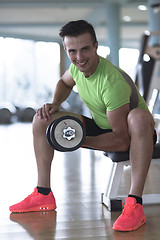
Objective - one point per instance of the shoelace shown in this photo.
(128, 209)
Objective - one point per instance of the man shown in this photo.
(121, 120)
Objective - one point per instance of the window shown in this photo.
(29, 70)
(128, 58)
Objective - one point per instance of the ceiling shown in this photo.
(41, 20)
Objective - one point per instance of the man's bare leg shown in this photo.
(43, 152)
(141, 128)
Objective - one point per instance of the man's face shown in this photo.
(82, 52)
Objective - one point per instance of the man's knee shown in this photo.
(140, 120)
(39, 125)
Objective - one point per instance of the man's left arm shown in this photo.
(118, 139)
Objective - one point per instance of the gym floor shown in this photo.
(78, 179)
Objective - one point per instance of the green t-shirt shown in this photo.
(106, 90)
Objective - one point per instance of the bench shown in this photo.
(120, 159)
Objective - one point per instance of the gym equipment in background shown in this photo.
(7, 111)
(25, 113)
(148, 67)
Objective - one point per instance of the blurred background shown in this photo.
(32, 58)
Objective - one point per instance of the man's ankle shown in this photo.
(44, 190)
(138, 199)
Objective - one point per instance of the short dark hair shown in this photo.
(76, 28)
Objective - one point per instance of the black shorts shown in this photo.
(93, 130)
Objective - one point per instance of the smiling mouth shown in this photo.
(82, 64)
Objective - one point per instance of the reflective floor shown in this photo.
(78, 179)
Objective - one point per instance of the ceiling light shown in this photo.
(127, 18)
(142, 7)
(146, 57)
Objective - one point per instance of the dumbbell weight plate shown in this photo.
(48, 136)
(57, 131)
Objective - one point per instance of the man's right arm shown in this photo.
(63, 90)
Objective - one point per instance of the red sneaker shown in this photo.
(35, 202)
(132, 216)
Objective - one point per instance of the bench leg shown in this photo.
(110, 197)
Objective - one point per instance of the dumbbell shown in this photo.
(66, 134)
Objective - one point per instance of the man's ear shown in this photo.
(96, 45)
